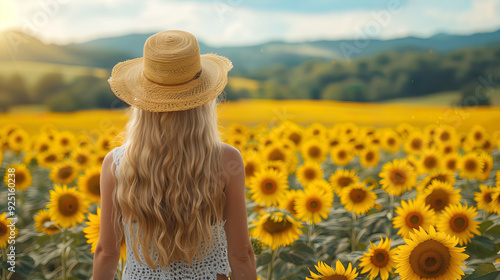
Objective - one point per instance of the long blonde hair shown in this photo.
(170, 181)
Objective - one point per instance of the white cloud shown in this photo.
(227, 22)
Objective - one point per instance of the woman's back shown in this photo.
(216, 262)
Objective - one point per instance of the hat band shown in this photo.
(192, 79)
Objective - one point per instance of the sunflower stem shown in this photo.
(309, 233)
(391, 207)
(63, 255)
(353, 237)
(270, 267)
(4, 258)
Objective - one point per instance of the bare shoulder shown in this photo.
(230, 152)
(233, 163)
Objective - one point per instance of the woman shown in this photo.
(173, 178)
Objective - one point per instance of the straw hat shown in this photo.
(171, 76)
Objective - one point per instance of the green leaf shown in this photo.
(486, 271)
(485, 225)
(494, 230)
(292, 258)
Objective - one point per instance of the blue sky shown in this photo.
(246, 22)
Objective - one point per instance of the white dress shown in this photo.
(215, 262)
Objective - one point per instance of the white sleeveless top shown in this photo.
(215, 262)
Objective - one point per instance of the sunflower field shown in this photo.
(342, 201)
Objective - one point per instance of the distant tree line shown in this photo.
(376, 78)
(382, 77)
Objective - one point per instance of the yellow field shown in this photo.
(270, 112)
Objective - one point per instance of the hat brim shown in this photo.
(129, 84)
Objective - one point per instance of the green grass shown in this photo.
(33, 71)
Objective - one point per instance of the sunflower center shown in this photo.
(391, 141)
(295, 137)
(369, 156)
(269, 186)
(357, 195)
(414, 220)
(313, 204)
(276, 154)
(64, 141)
(68, 205)
(51, 158)
(478, 136)
(335, 277)
(3, 229)
(345, 181)
(448, 149)
(437, 200)
(334, 143)
(276, 227)
(94, 185)
(487, 197)
(20, 178)
(65, 172)
(451, 164)
(342, 154)
(445, 136)
(470, 165)
(359, 146)
(82, 159)
(416, 144)
(398, 177)
(291, 207)
(430, 162)
(314, 152)
(459, 223)
(310, 174)
(250, 169)
(486, 145)
(44, 147)
(380, 257)
(430, 259)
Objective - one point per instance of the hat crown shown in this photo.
(172, 57)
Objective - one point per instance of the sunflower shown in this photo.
(40, 218)
(42, 143)
(457, 220)
(397, 177)
(412, 215)
(67, 206)
(276, 151)
(451, 161)
(404, 129)
(237, 140)
(391, 141)
(369, 157)
(430, 160)
(268, 187)
(342, 154)
(413, 162)
(276, 229)
(295, 134)
(439, 195)
(470, 165)
(495, 201)
(430, 255)
(18, 140)
(415, 143)
(83, 141)
(6, 230)
(289, 200)
(313, 204)
(487, 167)
(327, 272)
(361, 143)
(333, 141)
(92, 233)
(22, 176)
(82, 158)
(252, 163)
(379, 259)
(277, 165)
(308, 172)
(358, 198)
(485, 197)
(440, 175)
(65, 140)
(238, 128)
(316, 129)
(445, 134)
(323, 185)
(477, 135)
(64, 173)
(314, 150)
(49, 158)
(89, 184)
(342, 178)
